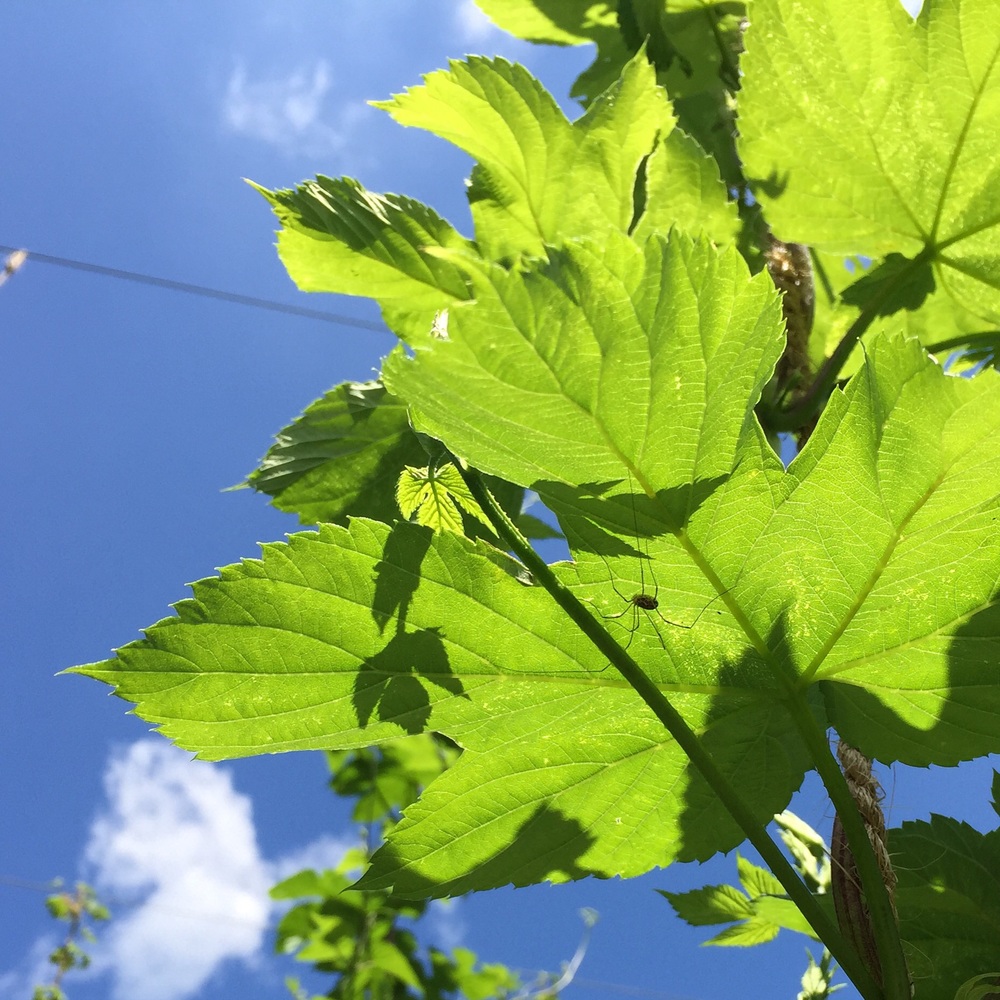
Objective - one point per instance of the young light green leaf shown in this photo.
(539, 179)
(817, 980)
(711, 904)
(757, 881)
(341, 457)
(338, 237)
(433, 496)
(808, 850)
(866, 132)
(422, 497)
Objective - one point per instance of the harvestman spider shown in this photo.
(641, 600)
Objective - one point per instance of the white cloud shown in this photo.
(472, 24)
(287, 112)
(179, 838)
(446, 925)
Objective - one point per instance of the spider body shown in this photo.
(640, 601)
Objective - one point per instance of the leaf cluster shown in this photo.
(78, 909)
(609, 338)
(367, 939)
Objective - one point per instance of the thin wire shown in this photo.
(202, 290)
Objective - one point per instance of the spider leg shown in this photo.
(621, 614)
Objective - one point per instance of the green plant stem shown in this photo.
(963, 340)
(809, 403)
(674, 723)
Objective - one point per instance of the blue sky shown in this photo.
(127, 410)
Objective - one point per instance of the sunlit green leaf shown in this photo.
(559, 22)
(619, 382)
(868, 132)
(338, 237)
(539, 179)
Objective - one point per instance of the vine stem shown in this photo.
(685, 738)
(895, 975)
(809, 403)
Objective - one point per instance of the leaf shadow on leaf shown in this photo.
(964, 707)
(544, 848)
(389, 680)
(397, 573)
(752, 739)
(897, 283)
(773, 186)
(388, 683)
(594, 522)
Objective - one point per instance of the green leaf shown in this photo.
(763, 911)
(585, 366)
(619, 381)
(568, 22)
(903, 478)
(283, 654)
(981, 987)
(558, 22)
(294, 651)
(338, 237)
(746, 934)
(341, 457)
(387, 958)
(784, 914)
(895, 284)
(870, 133)
(695, 46)
(946, 329)
(535, 528)
(310, 883)
(539, 179)
(711, 904)
(434, 497)
(683, 189)
(757, 881)
(948, 898)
